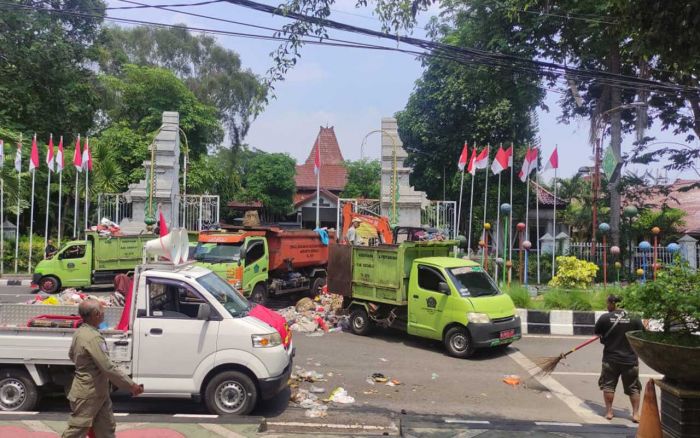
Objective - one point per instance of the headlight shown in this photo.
(478, 318)
(265, 341)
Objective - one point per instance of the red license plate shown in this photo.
(505, 334)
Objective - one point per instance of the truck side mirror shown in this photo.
(444, 288)
(241, 254)
(204, 311)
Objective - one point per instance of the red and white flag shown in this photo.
(49, 155)
(18, 158)
(462, 163)
(34, 157)
(59, 156)
(2, 154)
(553, 162)
(471, 168)
(87, 156)
(509, 151)
(500, 162)
(78, 156)
(317, 160)
(482, 161)
(162, 225)
(529, 164)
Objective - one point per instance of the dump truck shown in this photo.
(419, 287)
(93, 261)
(186, 333)
(262, 262)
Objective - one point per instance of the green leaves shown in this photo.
(573, 273)
(270, 179)
(364, 177)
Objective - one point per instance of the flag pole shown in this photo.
(527, 221)
(471, 207)
(48, 197)
(87, 192)
(75, 201)
(318, 198)
(461, 190)
(511, 161)
(537, 207)
(554, 224)
(31, 214)
(60, 189)
(2, 212)
(19, 186)
(498, 224)
(484, 262)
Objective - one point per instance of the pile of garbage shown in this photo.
(315, 316)
(311, 398)
(72, 297)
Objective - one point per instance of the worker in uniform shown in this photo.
(351, 236)
(89, 399)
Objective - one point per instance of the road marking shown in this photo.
(128, 426)
(555, 423)
(121, 414)
(327, 425)
(195, 416)
(19, 412)
(557, 336)
(574, 403)
(220, 430)
(37, 426)
(585, 373)
(458, 421)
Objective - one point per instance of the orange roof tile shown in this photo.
(334, 175)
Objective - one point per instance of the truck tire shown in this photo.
(49, 284)
(259, 294)
(359, 322)
(17, 390)
(458, 342)
(230, 393)
(316, 287)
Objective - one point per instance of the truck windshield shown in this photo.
(217, 252)
(473, 282)
(233, 301)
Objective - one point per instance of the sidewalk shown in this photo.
(16, 280)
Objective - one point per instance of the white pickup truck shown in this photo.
(189, 336)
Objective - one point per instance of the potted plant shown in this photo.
(673, 300)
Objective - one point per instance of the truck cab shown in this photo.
(70, 266)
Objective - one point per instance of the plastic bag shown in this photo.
(340, 395)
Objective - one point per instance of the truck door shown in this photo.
(426, 304)
(170, 340)
(75, 261)
(256, 263)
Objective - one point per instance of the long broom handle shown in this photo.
(578, 347)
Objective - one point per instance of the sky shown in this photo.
(350, 89)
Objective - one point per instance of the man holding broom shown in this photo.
(619, 360)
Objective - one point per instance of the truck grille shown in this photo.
(506, 319)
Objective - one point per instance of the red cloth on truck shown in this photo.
(275, 320)
(126, 313)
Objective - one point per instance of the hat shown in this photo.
(355, 219)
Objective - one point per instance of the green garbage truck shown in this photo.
(95, 260)
(419, 287)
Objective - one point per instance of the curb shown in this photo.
(558, 322)
(18, 282)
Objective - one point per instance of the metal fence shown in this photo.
(198, 212)
(113, 206)
(639, 258)
(441, 215)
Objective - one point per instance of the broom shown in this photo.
(547, 365)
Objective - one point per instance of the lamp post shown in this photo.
(630, 212)
(655, 231)
(604, 228)
(645, 247)
(487, 227)
(615, 251)
(526, 246)
(505, 211)
(673, 249)
(521, 228)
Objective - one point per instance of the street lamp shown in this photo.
(655, 231)
(630, 212)
(505, 212)
(604, 228)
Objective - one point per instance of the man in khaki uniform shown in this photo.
(89, 395)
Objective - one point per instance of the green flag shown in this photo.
(610, 162)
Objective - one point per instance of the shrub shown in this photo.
(573, 273)
(562, 299)
(519, 295)
(23, 253)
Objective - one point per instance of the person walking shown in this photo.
(91, 406)
(619, 360)
(351, 236)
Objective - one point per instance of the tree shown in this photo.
(364, 178)
(214, 74)
(269, 178)
(46, 84)
(138, 97)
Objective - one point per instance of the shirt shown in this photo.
(93, 367)
(352, 236)
(616, 347)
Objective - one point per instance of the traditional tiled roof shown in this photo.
(688, 201)
(236, 205)
(546, 198)
(334, 175)
(303, 197)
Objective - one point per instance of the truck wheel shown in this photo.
(259, 294)
(458, 342)
(359, 322)
(317, 286)
(49, 284)
(230, 393)
(17, 391)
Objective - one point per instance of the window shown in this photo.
(172, 299)
(254, 252)
(429, 278)
(232, 301)
(473, 281)
(74, 252)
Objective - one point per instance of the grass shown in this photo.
(519, 295)
(561, 299)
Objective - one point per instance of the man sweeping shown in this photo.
(619, 360)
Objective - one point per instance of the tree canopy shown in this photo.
(269, 178)
(364, 178)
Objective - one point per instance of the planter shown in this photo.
(677, 363)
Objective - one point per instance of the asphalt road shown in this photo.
(434, 387)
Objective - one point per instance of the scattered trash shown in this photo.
(370, 380)
(71, 297)
(548, 395)
(393, 382)
(340, 395)
(383, 360)
(370, 392)
(316, 390)
(434, 376)
(379, 378)
(317, 364)
(315, 316)
(303, 375)
(319, 411)
(512, 379)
